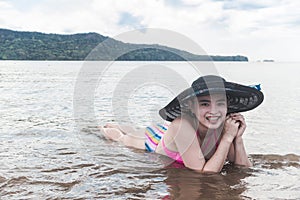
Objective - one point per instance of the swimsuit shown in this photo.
(154, 135)
(172, 154)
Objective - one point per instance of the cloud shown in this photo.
(23, 6)
(127, 19)
(220, 27)
(278, 17)
(240, 5)
(175, 3)
(181, 3)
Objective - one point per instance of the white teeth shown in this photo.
(212, 118)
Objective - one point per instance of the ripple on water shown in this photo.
(274, 177)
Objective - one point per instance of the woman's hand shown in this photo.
(231, 127)
(242, 124)
(240, 155)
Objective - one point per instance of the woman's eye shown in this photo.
(221, 104)
(204, 104)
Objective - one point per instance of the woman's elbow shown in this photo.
(205, 170)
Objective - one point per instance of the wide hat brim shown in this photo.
(240, 98)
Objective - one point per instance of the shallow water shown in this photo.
(50, 147)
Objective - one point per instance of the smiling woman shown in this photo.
(210, 110)
(206, 128)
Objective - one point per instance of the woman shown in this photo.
(206, 128)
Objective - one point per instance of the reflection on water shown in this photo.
(43, 167)
(272, 177)
(186, 184)
(276, 161)
(44, 156)
(275, 177)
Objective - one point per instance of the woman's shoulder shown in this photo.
(181, 123)
(184, 120)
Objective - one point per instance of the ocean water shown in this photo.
(51, 147)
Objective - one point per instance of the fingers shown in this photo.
(238, 120)
(227, 117)
(235, 124)
(241, 120)
(232, 121)
(237, 117)
(231, 127)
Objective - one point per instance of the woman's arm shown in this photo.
(240, 155)
(186, 143)
(231, 153)
(189, 148)
(237, 153)
(216, 162)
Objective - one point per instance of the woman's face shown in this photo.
(210, 110)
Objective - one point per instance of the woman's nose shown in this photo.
(213, 108)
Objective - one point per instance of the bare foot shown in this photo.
(112, 133)
(128, 140)
(125, 129)
(110, 125)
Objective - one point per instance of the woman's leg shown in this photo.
(124, 128)
(132, 139)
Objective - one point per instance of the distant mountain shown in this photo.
(16, 45)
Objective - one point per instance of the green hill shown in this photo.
(16, 45)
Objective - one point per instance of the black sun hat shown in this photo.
(240, 98)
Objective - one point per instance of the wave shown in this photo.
(273, 161)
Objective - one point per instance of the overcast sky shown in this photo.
(259, 29)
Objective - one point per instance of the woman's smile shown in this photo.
(213, 119)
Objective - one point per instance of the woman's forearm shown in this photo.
(216, 162)
(241, 157)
